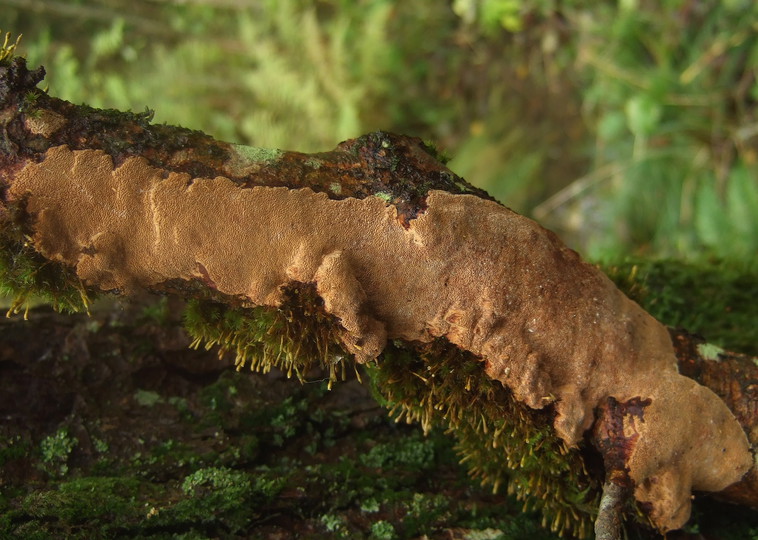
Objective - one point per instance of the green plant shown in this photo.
(26, 277)
(672, 120)
(667, 94)
(8, 48)
(56, 449)
(383, 530)
(492, 15)
(501, 441)
(108, 503)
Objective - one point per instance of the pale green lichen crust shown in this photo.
(257, 154)
(245, 160)
(314, 163)
(709, 351)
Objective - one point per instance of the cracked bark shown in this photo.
(398, 248)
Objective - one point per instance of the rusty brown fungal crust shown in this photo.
(550, 327)
(399, 169)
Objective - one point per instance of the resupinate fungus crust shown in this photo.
(465, 312)
(551, 328)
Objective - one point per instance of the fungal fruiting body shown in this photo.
(552, 329)
(391, 258)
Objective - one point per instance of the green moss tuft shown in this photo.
(294, 338)
(713, 299)
(26, 276)
(109, 503)
(500, 440)
(436, 384)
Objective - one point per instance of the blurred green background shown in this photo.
(628, 126)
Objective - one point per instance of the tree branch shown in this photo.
(471, 314)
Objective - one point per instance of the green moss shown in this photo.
(234, 484)
(105, 503)
(424, 512)
(29, 105)
(147, 398)
(713, 299)
(156, 313)
(296, 337)
(26, 276)
(8, 49)
(221, 497)
(383, 530)
(335, 524)
(12, 448)
(412, 452)
(56, 449)
(501, 441)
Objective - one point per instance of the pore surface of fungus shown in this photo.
(553, 329)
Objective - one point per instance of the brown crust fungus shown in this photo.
(551, 328)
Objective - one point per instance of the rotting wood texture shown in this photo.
(397, 247)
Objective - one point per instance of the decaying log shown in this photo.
(399, 250)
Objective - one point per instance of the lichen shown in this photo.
(383, 195)
(43, 122)
(710, 351)
(257, 154)
(314, 163)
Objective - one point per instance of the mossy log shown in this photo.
(464, 312)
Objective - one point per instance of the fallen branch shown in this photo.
(465, 312)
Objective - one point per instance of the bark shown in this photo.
(398, 250)
(608, 523)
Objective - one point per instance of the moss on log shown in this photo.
(375, 252)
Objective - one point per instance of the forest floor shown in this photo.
(113, 428)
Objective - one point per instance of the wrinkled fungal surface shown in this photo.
(550, 327)
(398, 248)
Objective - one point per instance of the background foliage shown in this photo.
(629, 126)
